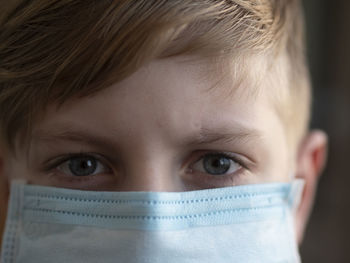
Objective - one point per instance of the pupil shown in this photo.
(215, 164)
(82, 166)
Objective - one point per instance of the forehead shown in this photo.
(171, 98)
(179, 80)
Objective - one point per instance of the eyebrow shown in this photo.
(225, 135)
(205, 136)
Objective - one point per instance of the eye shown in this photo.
(82, 166)
(217, 164)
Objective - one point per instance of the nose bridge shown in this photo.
(148, 153)
(151, 171)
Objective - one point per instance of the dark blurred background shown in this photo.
(327, 237)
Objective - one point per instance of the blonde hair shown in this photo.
(53, 50)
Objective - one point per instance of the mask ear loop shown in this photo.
(295, 194)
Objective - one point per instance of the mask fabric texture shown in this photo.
(250, 223)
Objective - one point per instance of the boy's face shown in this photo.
(170, 126)
(162, 129)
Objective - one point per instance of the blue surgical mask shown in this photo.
(250, 223)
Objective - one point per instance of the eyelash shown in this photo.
(100, 159)
(230, 156)
(220, 180)
(52, 165)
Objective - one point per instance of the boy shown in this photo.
(183, 122)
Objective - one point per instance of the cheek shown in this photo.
(16, 169)
(274, 167)
(279, 164)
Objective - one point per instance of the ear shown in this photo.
(311, 159)
(4, 195)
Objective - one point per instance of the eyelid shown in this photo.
(233, 169)
(204, 180)
(59, 160)
(229, 155)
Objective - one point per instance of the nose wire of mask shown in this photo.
(250, 223)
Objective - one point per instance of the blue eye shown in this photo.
(82, 166)
(217, 164)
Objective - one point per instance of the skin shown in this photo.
(151, 132)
